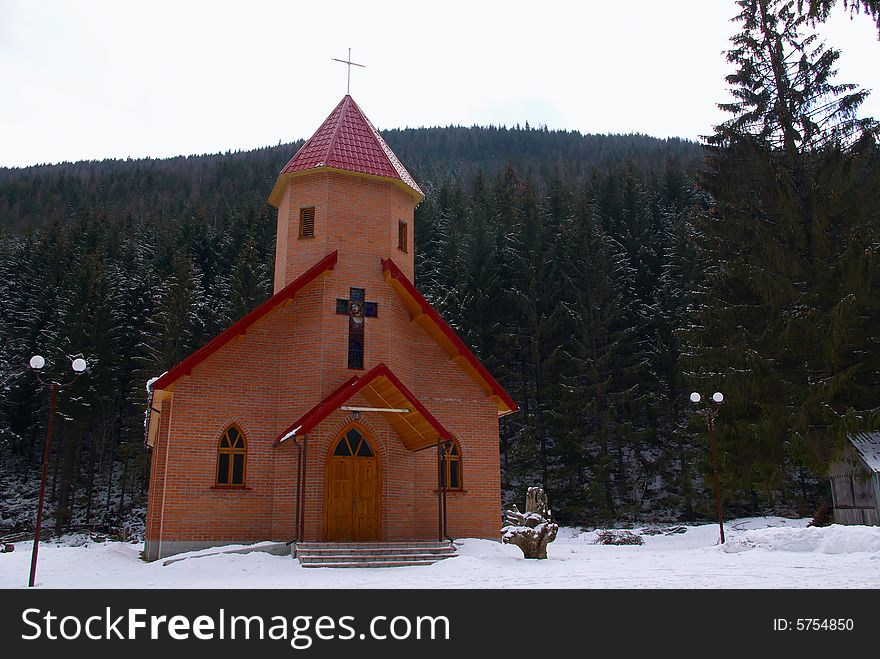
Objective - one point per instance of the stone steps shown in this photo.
(371, 554)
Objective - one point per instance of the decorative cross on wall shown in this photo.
(356, 308)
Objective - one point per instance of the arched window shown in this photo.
(353, 444)
(231, 457)
(451, 472)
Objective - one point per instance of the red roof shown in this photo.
(418, 428)
(240, 327)
(428, 318)
(348, 141)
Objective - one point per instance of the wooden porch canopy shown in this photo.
(417, 428)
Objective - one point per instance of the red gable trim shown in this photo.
(240, 327)
(307, 422)
(391, 269)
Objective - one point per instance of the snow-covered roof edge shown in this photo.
(148, 413)
(868, 446)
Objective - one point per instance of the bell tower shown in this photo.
(344, 190)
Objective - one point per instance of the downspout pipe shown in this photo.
(445, 487)
(302, 488)
(439, 490)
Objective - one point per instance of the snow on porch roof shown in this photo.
(424, 315)
(240, 327)
(418, 429)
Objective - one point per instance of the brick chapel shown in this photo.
(343, 408)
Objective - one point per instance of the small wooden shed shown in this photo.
(855, 481)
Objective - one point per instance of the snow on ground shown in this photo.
(762, 552)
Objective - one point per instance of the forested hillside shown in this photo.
(600, 278)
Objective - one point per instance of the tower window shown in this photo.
(402, 241)
(307, 222)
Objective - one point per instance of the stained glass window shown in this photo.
(355, 343)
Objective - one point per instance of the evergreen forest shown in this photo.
(600, 278)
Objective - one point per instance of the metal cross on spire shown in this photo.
(350, 64)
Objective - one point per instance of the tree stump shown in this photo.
(532, 530)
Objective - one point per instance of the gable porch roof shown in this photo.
(417, 428)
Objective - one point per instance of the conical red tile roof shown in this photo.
(348, 141)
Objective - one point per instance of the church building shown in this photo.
(343, 408)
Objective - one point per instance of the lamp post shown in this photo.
(709, 413)
(37, 363)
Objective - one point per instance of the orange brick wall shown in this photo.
(289, 361)
(355, 214)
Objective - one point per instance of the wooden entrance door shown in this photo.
(352, 491)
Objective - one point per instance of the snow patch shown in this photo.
(291, 434)
(835, 539)
(790, 556)
(152, 381)
(487, 550)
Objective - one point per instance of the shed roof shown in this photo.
(868, 446)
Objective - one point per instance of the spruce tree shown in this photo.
(782, 324)
(248, 281)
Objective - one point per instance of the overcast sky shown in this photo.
(115, 79)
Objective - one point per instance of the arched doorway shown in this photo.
(352, 492)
